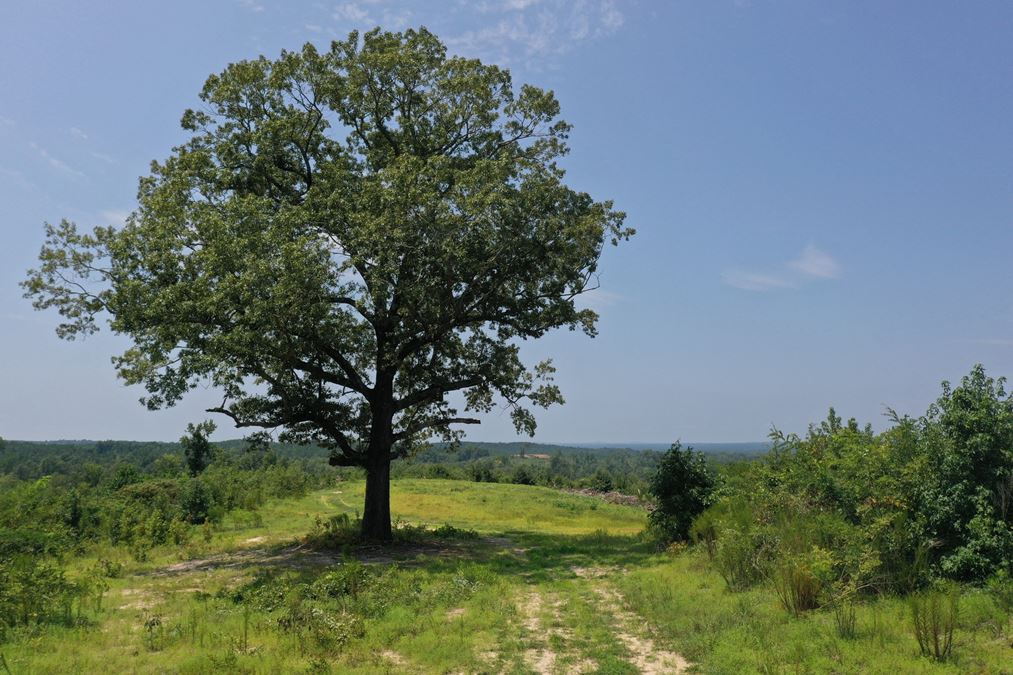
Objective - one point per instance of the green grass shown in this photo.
(531, 592)
(750, 632)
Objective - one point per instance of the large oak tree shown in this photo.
(345, 239)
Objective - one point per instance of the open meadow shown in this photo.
(483, 578)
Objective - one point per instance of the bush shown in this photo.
(522, 476)
(800, 579)
(196, 501)
(683, 487)
(739, 559)
(602, 481)
(33, 592)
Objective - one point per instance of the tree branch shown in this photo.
(434, 391)
(439, 422)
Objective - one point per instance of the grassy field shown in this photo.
(527, 579)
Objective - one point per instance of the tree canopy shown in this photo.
(346, 238)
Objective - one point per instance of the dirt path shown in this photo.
(542, 658)
(631, 629)
(542, 618)
(646, 655)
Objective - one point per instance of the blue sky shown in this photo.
(823, 194)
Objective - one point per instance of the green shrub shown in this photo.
(739, 559)
(800, 579)
(522, 476)
(34, 592)
(349, 578)
(683, 487)
(602, 481)
(196, 501)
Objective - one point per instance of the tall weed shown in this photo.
(933, 618)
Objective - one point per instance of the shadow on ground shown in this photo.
(534, 557)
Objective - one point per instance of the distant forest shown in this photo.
(603, 468)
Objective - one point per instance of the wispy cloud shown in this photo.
(77, 133)
(251, 5)
(54, 162)
(816, 263)
(535, 30)
(353, 12)
(104, 157)
(518, 4)
(369, 13)
(116, 217)
(6, 121)
(396, 19)
(531, 32)
(811, 264)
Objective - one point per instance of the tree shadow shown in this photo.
(536, 558)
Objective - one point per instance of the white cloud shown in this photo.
(396, 19)
(6, 121)
(816, 263)
(518, 4)
(54, 162)
(611, 18)
(353, 12)
(116, 217)
(752, 281)
(104, 157)
(534, 31)
(512, 32)
(77, 133)
(811, 264)
(251, 5)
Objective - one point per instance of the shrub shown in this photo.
(349, 579)
(800, 579)
(739, 559)
(481, 472)
(933, 617)
(34, 592)
(522, 476)
(602, 481)
(683, 487)
(196, 501)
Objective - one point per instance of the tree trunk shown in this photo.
(376, 513)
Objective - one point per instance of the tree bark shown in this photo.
(376, 512)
